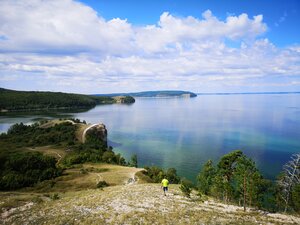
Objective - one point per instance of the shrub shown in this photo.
(102, 184)
(186, 187)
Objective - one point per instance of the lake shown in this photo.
(185, 132)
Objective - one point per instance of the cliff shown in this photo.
(95, 131)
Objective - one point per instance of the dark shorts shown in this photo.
(165, 188)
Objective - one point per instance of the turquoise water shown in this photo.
(185, 133)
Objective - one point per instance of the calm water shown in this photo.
(185, 133)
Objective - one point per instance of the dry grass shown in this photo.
(86, 176)
(52, 123)
(57, 153)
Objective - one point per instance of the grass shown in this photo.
(85, 176)
(55, 152)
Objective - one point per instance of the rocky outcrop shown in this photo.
(124, 99)
(96, 131)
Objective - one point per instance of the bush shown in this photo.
(102, 184)
(55, 196)
(186, 187)
(157, 174)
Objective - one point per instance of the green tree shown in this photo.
(296, 198)
(172, 176)
(205, 177)
(248, 180)
(134, 161)
(223, 181)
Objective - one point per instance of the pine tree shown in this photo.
(224, 176)
(134, 161)
(248, 180)
(205, 177)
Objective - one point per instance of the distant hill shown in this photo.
(154, 94)
(11, 100)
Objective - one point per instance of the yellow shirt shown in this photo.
(165, 183)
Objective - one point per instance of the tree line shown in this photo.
(236, 179)
(36, 100)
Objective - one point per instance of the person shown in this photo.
(164, 185)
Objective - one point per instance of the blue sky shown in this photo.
(282, 16)
(125, 46)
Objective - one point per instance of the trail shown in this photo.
(59, 158)
(86, 129)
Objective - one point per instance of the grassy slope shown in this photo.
(80, 202)
(135, 204)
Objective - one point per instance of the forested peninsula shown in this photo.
(11, 100)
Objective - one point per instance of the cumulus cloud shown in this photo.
(66, 45)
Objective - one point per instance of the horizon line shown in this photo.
(249, 93)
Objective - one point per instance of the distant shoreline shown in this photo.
(251, 93)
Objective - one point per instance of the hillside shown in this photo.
(132, 203)
(155, 94)
(37, 100)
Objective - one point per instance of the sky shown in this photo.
(109, 46)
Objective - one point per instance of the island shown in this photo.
(157, 94)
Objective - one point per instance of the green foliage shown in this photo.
(171, 175)
(247, 180)
(33, 100)
(54, 196)
(33, 135)
(22, 169)
(25, 169)
(236, 179)
(223, 183)
(186, 187)
(134, 161)
(205, 177)
(128, 100)
(102, 184)
(157, 174)
(296, 198)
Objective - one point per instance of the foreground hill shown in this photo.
(133, 203)
(187, 94)
(37, 100)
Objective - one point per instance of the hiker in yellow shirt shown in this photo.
(164, 185)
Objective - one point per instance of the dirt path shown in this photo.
(85, 130)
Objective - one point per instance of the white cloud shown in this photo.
(66, 45)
